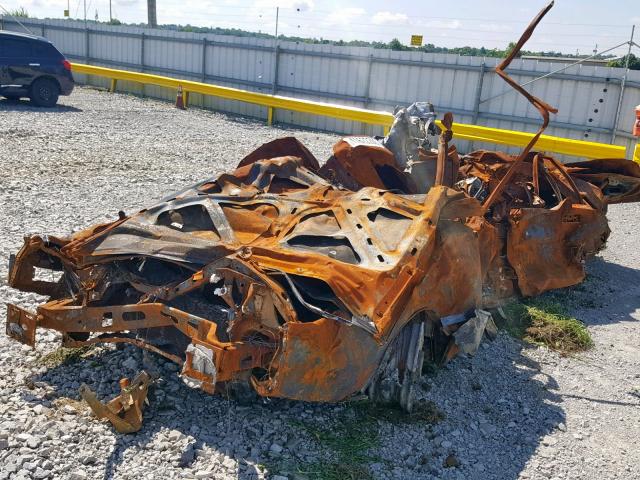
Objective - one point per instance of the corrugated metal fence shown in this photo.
(586, 96)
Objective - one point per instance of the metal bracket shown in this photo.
(124, 411)
(21, 325)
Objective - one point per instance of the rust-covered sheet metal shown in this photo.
(316, 283)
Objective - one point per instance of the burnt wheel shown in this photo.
(400, 367)
(45, 92)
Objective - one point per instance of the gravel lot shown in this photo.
(512, 411)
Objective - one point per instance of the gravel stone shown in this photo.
(512, 411)
(78, 476)
(130, 363)
(40, 473)
(275, 448)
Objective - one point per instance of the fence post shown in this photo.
(86, 44)
(42, 29)
(476, 103)
(274, 85)
(367, 88)
(142, 51)
(204, 60)
(622, 85)
(276, 61)
(142, 60)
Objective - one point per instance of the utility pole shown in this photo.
(622, 85)
(110, 16)
(151, 13)
(277, 15)
(274, 88)
(85, 13)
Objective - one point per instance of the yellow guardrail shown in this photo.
(461, 131)
(271, 101)
(546, 143)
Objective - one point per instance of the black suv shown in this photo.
(32, 67)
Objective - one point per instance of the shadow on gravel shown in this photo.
(211, 427)
(498, 407)
(27, 106)
(605, 402)
(608, 295)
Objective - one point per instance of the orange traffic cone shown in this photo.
(636, 126)
(180, 99)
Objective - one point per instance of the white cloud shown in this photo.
(449, 24)
(301, 5)
(37, 4)
(389, 18)
(493, 27)
(344, 16)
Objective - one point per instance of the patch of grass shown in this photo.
(546, 323)
(347, 442)
(423, 412)
(333, 470)
(63, 356)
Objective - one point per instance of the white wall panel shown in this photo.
(586, 96)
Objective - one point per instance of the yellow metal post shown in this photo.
(636, 153)
(114, 84)
(269, 116)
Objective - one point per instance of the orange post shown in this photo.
(636, 126)
(180, 99)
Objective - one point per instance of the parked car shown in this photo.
(32, 67)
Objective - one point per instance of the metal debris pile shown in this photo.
(317, 283)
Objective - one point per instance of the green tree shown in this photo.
(634, 62)
(510, 48)
(395, 44)
(19, 12)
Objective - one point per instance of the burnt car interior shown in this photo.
(317, 283)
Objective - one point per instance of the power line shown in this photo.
(565, 67)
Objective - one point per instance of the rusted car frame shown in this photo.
(318, 282)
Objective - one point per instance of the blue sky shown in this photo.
(571, 25)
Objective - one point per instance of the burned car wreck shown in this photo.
(316, 283)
